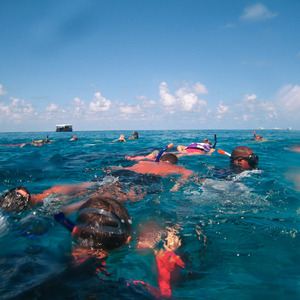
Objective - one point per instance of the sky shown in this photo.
(149, 64)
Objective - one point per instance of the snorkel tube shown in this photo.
(162, 151)
(214, 146)
(61, 218)
(224, 152)
(254, 134)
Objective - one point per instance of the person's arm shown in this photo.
(212, 150)
(60, 189)
(167, 263)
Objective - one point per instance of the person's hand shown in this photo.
(172, 241)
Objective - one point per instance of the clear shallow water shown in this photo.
(240, 236)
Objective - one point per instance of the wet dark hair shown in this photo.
(14, 202)
(240, 151)
(170, 157)
(206, 141)
(104, 223)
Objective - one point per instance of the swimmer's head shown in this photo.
(244, 157)
(206, 141)
(169, 157)
(258, 137)
(15, 200)
(102, 223)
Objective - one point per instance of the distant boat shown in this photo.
(276, 128)
(64, 127)
(289, 128)
(261, 128)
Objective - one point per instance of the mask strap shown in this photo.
(116, 230)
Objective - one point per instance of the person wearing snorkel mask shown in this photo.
(103, 224)
(18, 199)
(244, 158)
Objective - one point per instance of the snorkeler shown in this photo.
(242, 157)
(206, 147)
(153, 156)
(135, 135)
(258, 137)
(19, 199)
(165, 167)
(120, 139)
(73, 138)
(103, 224)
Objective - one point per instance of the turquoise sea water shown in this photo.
(240, 236)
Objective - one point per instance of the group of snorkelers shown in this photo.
(103, 223)
(135, 135)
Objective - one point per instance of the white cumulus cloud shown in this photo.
(166, 98)
(99, 103)
(257, 12)
(184, 99)
(16, 110)
(52, 108)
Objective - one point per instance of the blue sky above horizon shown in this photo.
(135, 64)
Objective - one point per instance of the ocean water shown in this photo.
(240, 234)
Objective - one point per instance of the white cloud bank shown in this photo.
(186, 103)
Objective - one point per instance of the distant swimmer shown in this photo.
(46, 140)
(120, 139)
(135, 135)
(258, 137)
(35, 143)
(73, 138)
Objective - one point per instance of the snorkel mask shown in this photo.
(108, 235)
(252, 159)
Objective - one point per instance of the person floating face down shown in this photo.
(19, 198)
(165, 167)
(244, 158)
(196, 148)
(103, 224)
